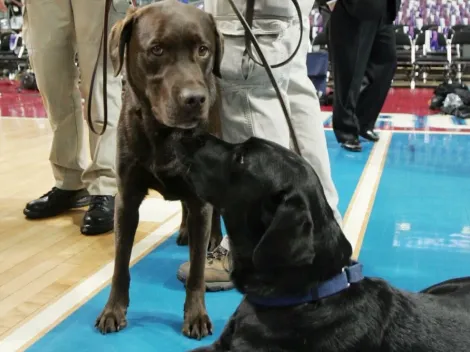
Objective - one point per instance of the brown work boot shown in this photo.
(217, 270)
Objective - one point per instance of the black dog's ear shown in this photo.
(288, 240)
(219, 49)
(118, 39)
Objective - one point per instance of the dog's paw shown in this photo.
(197, 326)
(183, 237)
(111, 319)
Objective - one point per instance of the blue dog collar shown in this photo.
(350, 275)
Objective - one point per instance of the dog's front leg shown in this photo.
(216, 231)
(113, 317)
(224, 343)
(196, 321)
(182, 239)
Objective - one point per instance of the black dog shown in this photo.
(293, 263)
(172, 53)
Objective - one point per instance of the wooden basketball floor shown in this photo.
(41, 260)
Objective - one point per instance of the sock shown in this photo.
(225, 243)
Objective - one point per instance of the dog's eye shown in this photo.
(203, 50)
(157, 50)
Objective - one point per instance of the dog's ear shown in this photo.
(288, 238)
(219, 49)
(118, 39)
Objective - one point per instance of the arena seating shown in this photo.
(433, 41)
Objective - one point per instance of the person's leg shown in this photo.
(308, 124)
(100, 176)
(250, 108)
(351, 41)
(50, 40)
(249, 103)
(379, 74)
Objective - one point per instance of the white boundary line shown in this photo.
(365, 191)
(428, 132)
(456, 131)
(452, 130)
(81, 293)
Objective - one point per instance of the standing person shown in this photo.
(363, 53)
(250, 106)
(54, 32)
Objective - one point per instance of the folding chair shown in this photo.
(461, 60)
(405, 55)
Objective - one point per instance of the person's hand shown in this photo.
(3, 7)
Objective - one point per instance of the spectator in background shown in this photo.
(250, 106)
(54, 32)
(363, 53)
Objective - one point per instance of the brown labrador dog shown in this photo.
(171, 53)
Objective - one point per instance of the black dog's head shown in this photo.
(280, 224)
(172, 52)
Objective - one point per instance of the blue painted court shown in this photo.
(418, 233)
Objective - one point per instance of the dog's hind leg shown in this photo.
(196, 321)
(182, 239)
(128, 200)
(216, 231)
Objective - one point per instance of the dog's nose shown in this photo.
(193, 98)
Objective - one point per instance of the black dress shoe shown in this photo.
(370, 135)
(100, 216)
(352, 145)
(55, 202)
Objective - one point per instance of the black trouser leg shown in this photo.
(378, 78)
(351, 42)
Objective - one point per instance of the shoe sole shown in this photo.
(80, 203)
(355, 150)
(97, 230)
(210, 286)
(370, 139)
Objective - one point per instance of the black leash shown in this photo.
(250, 40)
(104, 47)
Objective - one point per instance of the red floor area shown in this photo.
(406, 101)
(29, 104)
(16, 103)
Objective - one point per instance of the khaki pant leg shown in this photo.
(49, 37)
(89, 21)
(308, 123)
(249, 103)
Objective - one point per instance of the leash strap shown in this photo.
(250, 9)
(250, 37)
(104, 47)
